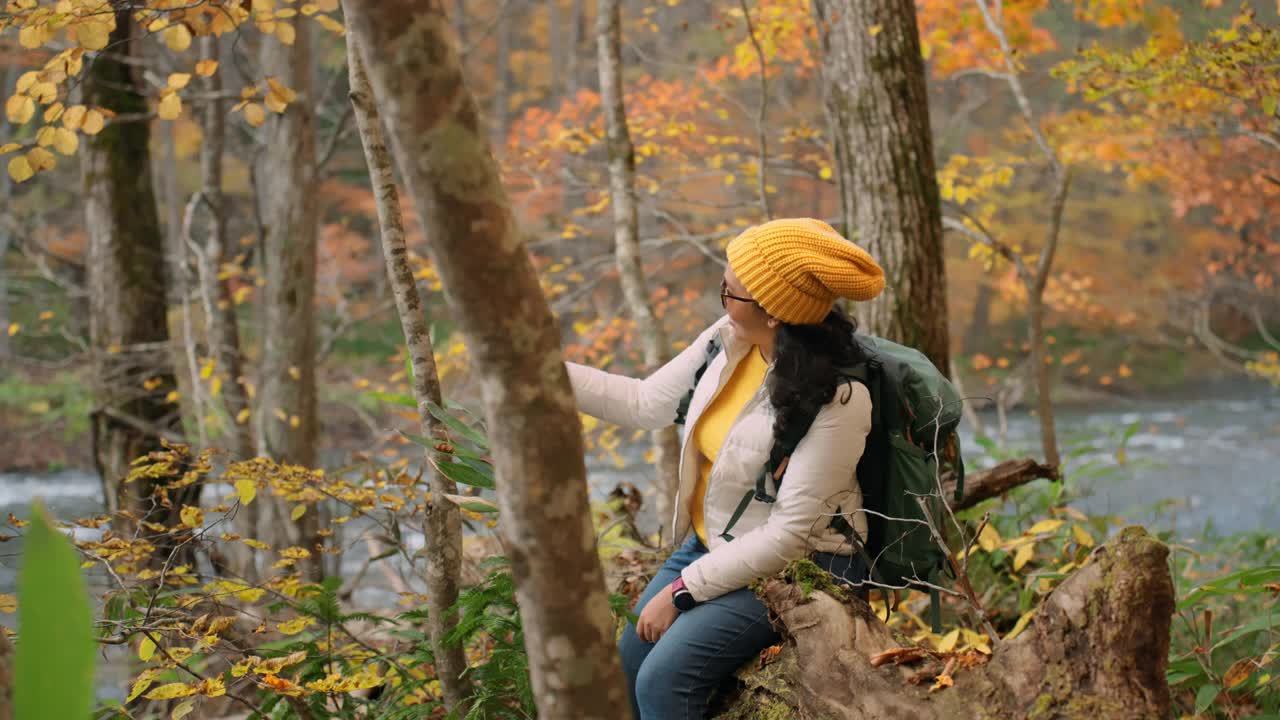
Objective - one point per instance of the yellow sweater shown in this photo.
(715, 422)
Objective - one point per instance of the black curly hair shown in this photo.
(807, 364)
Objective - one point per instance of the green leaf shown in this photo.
(1205, 697)
(395, 399)
(55, 657)
(1247, 581)
(457, 426)
(464, 474)
(1269, 105)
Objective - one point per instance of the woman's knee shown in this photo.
(659, 691)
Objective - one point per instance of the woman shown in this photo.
(783, 342)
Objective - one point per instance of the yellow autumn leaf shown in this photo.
(192, 517)
(7, 148)
(1023, 555)
(65, 141)
(295, 626)
(177, 37)
(93, 123)
(43, 92)
(41, 159)
(45, 135)
(286, 33)
(171, 691)
(242, 417)
(275, 665)
(330, 24)
(146, 648)
(254, 114)
(14, 328)
(170, 106)
(53, 112)
(142, 683)
(948, 641)
(297, 553)
(93, 35)
(212, 687)
(298, 511)
(177, 81)
(19, 109)
(206, 370)
(255, 544)
(206, 68)
(1045, 526)
(1020, 625)
(73, 118)
(183, 710)
(1082, 536)
(31, 36)
(989, 539)
(25, 81)
(8, 603)
(247, 490)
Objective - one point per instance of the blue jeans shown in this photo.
(674, 678)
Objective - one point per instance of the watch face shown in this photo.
(683, 601)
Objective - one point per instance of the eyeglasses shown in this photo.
(725, 295)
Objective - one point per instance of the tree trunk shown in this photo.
(979, 328)
(878, 112)
(626, 233)
(132, 371)
(6, 675)
(1097, 647)
(1035, 299)
(577, 19)
(494, 293)
(443, 522)
(220, 309)
(6, 232)
(286, 416)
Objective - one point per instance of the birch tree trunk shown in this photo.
(878, 111)
(129, 336)
(443, 522)
(493, 291)
(626, 233)
(286, 416)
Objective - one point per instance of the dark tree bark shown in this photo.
(443, 522)
(132, 371)
(878, 112)
(626, 234)
(286, 415)
(492, 289)
(1097, 647)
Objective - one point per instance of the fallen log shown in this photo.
(1097, 647)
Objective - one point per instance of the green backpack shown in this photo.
(914, 416)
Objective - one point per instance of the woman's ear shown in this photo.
(773, 322)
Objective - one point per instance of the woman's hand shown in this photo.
(657, 616)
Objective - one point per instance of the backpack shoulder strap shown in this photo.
(713, 349)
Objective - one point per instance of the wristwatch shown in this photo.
(681, 597)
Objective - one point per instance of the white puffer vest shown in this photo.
(819, 480)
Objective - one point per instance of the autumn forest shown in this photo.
(287, 287)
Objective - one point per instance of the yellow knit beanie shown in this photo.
(795, 268)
